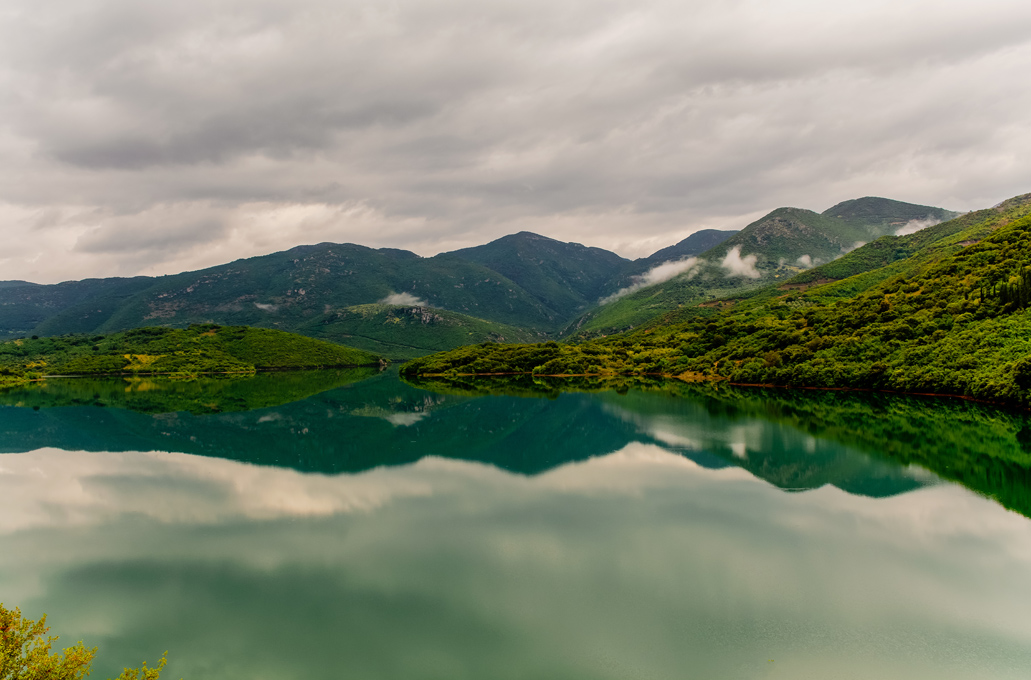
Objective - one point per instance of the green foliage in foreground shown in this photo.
(202, 348)
(984, 448)
(943, 328)
(26, 653)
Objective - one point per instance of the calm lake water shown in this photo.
(346, 525)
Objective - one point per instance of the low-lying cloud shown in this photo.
(735, 265)
(913, 226)
(657, 274)
(403, 299)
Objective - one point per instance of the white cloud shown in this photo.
(403, 299)
(657, 274)
(804, 261)
(913, 226)
(736, 265)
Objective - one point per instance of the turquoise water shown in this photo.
(357, 527)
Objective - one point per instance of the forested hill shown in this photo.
(521, 286)
(773, 248)
(205, 348)
(955, 321)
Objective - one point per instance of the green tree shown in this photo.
(25, 653)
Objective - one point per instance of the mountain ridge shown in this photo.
(524, 281)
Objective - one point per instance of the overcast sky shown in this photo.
(152, 137)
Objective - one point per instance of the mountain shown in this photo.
(565, 277)
(523, 286)
(695, 244)
(404, 332)
(283, 290)
(952, 317)
(882, 215)
(777, 246)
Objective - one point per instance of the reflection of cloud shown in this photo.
(172, 487)
(395, 418)
(812, 576)
(406, 419)
(696, 431)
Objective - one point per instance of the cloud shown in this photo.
(657, 274)
(913, 226)
(735, 265)
(804, 261)
(403, 299)
(163, 135)
(266, 307)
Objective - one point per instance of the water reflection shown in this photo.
(591, 535)
(382, 421)
(636, 564)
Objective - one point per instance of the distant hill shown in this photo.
(778, 246)
(695, 244)
(523, 286)
(564, 277)
(884, 216)
(283, 290)
(403, 332)
(948, 313)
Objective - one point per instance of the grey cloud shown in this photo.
(593, 121)
(160, 228)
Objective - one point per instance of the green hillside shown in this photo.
(202, 348)
(524, 281)
(695, 244)
(955, 321)
(774, 248)
(881, 215)
(404, 332)
(565, 277)
(283, 290)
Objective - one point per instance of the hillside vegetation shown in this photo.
(774, 248)
(529, 285)
(953, 320)
(404, 332)
(202, 348)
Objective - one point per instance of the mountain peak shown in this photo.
(874, 209)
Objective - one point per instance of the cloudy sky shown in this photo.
(153, 137)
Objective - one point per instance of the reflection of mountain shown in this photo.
(211, 394)
(780, 454)
(984, 448)
(381, 421)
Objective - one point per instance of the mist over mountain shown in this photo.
(776, 247)
(519, 287)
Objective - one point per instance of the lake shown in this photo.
(344, 524)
